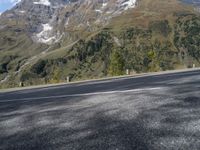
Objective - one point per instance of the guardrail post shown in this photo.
(127, 72)
(68, 79)
(21, 84)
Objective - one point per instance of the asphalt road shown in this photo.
(160, 112)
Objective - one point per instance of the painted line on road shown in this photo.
(84, 94)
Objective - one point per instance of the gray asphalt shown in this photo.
(160, 112)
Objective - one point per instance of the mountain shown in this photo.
(44, 41)
(49, 20)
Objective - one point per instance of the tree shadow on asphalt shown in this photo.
(104, 132)
(101, 132)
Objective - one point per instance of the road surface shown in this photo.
(158, 112)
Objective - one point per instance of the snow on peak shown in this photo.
(43, 2)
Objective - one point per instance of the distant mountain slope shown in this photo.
(46, 41)
(194, 2)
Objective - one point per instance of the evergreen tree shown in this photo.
(116, 63)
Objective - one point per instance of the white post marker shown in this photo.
(127, 72)
(21, 84)
(68, 79)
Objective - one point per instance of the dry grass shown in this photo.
(147, 11)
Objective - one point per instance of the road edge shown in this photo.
(100, 79)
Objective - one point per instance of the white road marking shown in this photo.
(84, 94)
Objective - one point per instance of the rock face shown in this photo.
(47, 20)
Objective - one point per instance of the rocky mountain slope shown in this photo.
(49, 20)
(44, 41)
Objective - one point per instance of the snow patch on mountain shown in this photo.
(104, 5)
(44, 35)
(43, 2)
(98, 10)
(128, 4)
(46, 28)
(22, 11)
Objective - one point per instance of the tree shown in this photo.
(116, 63)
